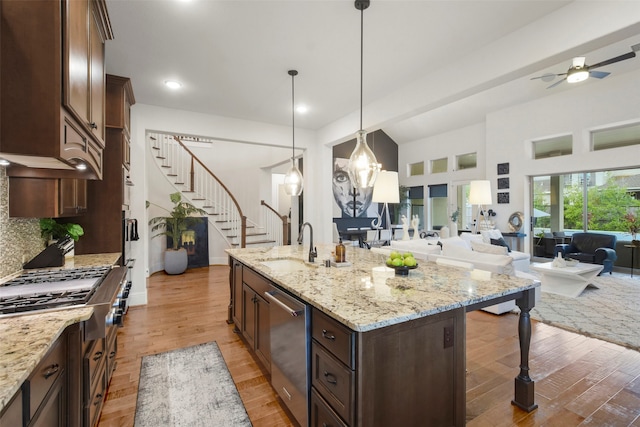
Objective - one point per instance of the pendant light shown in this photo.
(363, 167)
(293, 179)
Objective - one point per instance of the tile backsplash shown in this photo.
(19, 237)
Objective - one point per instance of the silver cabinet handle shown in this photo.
(285, 307)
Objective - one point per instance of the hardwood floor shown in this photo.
(579, 380)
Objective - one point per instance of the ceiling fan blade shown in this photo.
(628, 55)
(598, 74)
(557, 83)
(547, 77)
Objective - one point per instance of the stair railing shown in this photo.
(200, 184)
(276, 225)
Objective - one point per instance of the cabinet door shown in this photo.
(73, 196)
(236, 286)
(248, 315)
(263, 336)
(53, 411)
(96, 77)
(77, 73)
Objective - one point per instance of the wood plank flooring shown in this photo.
(579, 380)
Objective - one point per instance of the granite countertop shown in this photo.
(364, 299)
(25, 341)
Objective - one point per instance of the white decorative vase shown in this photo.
(444, 232)
(453, 229)
(175, 262)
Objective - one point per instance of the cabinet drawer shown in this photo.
(334, 337)
(93, 406)
(92, 361)
(45, 375)
(333, 380)
(258, 283)
(111, 350)
(321, 413)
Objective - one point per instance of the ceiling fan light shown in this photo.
(576, 75)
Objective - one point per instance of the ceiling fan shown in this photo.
(579, 71)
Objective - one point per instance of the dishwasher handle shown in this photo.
(271, 296)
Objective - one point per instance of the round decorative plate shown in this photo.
(403, 270)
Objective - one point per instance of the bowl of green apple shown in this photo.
(401, 262)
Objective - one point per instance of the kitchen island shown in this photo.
(402, 356)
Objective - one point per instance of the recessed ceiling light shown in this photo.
(172, 84)
(302, 109)
(4, 162)
(81, 166)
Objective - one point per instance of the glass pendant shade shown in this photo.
(293, 181)
(363, 166)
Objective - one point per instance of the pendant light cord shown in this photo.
(361, 60)
(293, 73)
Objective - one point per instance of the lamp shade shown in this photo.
(480, 192)
(386, 189)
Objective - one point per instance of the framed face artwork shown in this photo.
(351, 202)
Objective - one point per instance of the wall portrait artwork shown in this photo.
(503, 183)
(346, 197)
(503, 168)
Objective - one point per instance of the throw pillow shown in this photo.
(500, 242)
(487, 235)
(488, 249)
(455, 241)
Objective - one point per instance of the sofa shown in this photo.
(592, 248)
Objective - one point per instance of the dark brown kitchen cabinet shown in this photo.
(403, 374)
(236, 293)
(11, 415)
(44, 392)
(47, 197)
(110, 196)
(53, 87)
(254, 315)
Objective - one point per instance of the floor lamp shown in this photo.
(386, 190)
(480, 194)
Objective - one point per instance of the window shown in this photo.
(611, 196)
(553, 147)
(416, 169)
(438, 206)
(621, 136)
(439, 165)
(466, 161)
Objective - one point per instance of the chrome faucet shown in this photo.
(313, 252)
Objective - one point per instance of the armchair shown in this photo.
(594, 248)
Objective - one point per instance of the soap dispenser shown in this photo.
(340, 252)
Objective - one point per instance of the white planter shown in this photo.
(453, 229)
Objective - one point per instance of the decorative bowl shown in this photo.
(403, 270)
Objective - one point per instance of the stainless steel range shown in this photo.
(104, 288)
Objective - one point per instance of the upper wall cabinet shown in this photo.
(52, 81)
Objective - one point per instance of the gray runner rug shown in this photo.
(188, 387)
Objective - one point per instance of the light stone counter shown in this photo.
(25, 339)
(364, 301)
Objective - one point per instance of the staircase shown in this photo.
(202, 188)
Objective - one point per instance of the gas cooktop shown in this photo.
(44, 289)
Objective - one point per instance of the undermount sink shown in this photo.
(286, 265)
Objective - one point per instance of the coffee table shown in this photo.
(567, 281)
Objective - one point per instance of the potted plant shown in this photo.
(50, 230)
(180, 219)
(538, 249)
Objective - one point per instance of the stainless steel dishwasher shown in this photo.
(289, 330)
